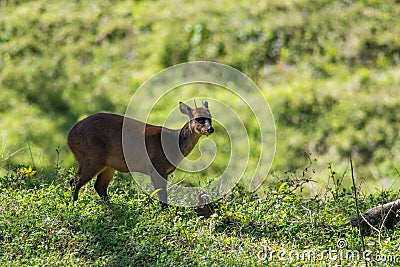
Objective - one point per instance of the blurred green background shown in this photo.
(329, 69)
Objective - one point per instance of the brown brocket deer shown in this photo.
(103, 143)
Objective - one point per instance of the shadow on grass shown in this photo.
(119, 235)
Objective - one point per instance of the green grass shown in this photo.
(329, 69)
(39, 226)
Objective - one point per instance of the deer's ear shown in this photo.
(205, 105)
(185, 109)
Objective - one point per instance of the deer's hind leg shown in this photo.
(74, 179)
(85, 174)
(103, 180)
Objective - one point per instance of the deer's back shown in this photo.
(98, 139)
(107, 139)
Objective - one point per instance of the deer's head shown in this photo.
(200, 118)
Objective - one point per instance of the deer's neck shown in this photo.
(188, 138)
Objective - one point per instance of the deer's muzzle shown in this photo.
(209, 128)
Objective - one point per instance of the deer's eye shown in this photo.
(201, 120)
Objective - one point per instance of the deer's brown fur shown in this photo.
(97, 143)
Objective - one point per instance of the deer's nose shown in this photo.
(210, 130)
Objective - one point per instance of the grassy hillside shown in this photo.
(330, 71)
(39, 226)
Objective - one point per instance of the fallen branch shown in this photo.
(386, 214)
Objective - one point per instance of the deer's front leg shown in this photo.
(159, 181)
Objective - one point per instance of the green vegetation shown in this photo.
(329, 70)
(40, 227)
